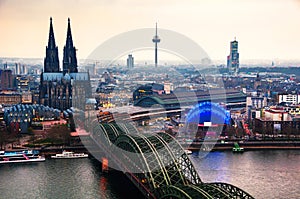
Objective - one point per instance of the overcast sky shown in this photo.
(265, 29)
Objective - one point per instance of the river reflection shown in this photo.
(263, 174)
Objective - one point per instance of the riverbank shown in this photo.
(257, 145)
(209, 146)
(195, 146)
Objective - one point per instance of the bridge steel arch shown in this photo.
(183, 192)
(152, 171)
(127, 128)
(170, 160)
(202, 191)
(186, 166)
(235, 191)
(162, 168)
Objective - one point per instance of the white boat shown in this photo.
(21, 159)
(188, 152)
(69, 155)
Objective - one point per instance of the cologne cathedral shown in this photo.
(66, 88)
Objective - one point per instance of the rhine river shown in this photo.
(263, 174)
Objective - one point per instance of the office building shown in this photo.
(130, 61)
(233, 58)
(6, 80)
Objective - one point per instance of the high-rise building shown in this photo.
(130, 61)
(67, 88)
(24, 70)
(6, 79)
(233, 58)
(18, 69)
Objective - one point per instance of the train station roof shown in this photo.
(192, 97)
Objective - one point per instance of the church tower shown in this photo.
(57, 88)
(69, 60)
(51, 62)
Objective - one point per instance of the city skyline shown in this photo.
(265, 30)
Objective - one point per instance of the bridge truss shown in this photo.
(157, 164)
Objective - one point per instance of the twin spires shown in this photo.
(51, 61)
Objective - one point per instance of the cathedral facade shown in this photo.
(66, 88)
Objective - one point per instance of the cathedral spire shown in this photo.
(70, 59)
(69, 42)
(51, 40)
(51, 62)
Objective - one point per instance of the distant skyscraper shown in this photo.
(156, 40)
(130, 61)
(233, 58)
(18, 69)
(24, 70)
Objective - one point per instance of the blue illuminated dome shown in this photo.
(208, 112)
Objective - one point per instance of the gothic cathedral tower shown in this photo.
(51, 62)
(67, 88)
(70, 60)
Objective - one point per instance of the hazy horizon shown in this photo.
(266, 30)
(122, 62)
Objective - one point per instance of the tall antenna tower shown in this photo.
(156, 40)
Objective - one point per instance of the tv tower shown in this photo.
(156, 40)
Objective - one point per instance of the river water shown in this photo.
(263, 174)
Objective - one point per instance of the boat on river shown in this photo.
(17, 153)
(188, 152)
(237, 148)
(7, 157)
(69, 155)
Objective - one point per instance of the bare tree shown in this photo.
(4, 136)
(59, 134)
